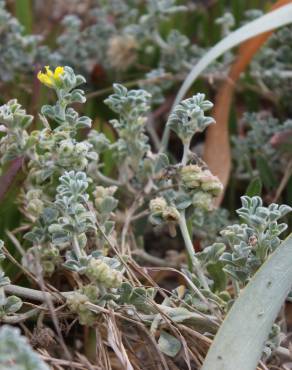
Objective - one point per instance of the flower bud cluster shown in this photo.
(102, 195)
(77, 304)
(202, 184)
(159, 208)
(34, 202)
(57, 150)
(48, 256)
(100, 272)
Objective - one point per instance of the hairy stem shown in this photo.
(34, 294)
(185, 153)
(190, 249)
(107, 180)
(76, 247)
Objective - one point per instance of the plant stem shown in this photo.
(165, 139)
(185, 153)
(107, 180)
(14, 319)
(34, 294)
(236, 288)
(76, 247)
(189, 245)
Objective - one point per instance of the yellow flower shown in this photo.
(49, 78)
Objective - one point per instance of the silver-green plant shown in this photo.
(254, 153)
(81, 224)
(131, 106)
(14, 124)
(244, 247)
(8, 305)
(17, 51)
(16, 353)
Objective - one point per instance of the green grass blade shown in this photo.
(240, 340)
(23, 10)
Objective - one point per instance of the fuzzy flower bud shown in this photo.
(91, 291)
(66, 148)
(35, 205)
(202, 200)
(76, 303)
(191, 176)
(157, 205)
(81, 148)
(33, 194)
(211, 183)
(101, 192)
(99, 271)
(80, 163)
(170, 214)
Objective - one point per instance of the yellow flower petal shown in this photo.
(46, 80)
(58, 72)
(49, 78)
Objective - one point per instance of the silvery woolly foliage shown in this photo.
(16, 353)
(67, 93)
(134, 32)
(76, 226)
(175, 53)
(131, 107)
(14, 123)
(17, 51)
(244, 247)
(8, 305)
(188, 117)
(57, 149)
(74, 218)
(256, 145)
(271, 66)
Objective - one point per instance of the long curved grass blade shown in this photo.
(240, 340)
(24, 13)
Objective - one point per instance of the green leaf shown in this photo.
(248, 323)
(168, 344)
(161, 162)
(108, 205)
(13, 304)
(23, 9)
(254, 188)
(183, 201)
(266, 173)
(218, 275)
